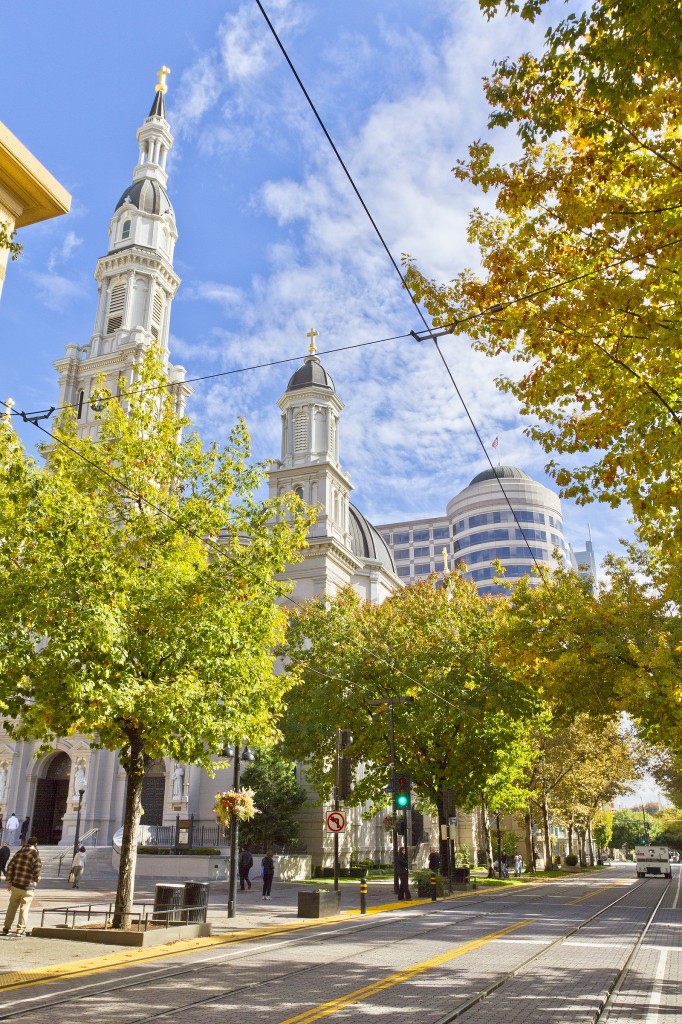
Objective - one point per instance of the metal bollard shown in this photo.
(363, 895)
(433, 887)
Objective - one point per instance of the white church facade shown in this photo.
(136, 286)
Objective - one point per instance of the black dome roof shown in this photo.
(312, 373)
(147, 195)
(366, 541)
(504, 472)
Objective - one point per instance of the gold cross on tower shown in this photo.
(312, 334)
(161, 75)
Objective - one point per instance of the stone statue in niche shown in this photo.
(178, 777)
(79, 780)
(3, 782)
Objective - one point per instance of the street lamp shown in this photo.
(499, 846)
(389, 702)
(238, 755)
(81, 794)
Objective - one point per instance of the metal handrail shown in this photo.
(87, 835)
(142, 916)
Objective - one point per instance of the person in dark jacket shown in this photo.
(23, 833)
(268, 872)
(5, 854)
(403, 875)
(434, 860)
(245, 865)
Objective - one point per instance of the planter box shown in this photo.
(573, 869)
(114, 937)
(318, 904)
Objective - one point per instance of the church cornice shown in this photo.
(136, 257)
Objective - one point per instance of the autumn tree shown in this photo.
(465, 727)
(278, 797)
(138, 592)
(581, 254)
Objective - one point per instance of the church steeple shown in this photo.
(136, 278)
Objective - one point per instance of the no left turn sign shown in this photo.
(336, 821)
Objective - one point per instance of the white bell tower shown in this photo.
(136, 279)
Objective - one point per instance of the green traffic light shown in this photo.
(402, 800)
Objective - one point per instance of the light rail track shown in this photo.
(276, 940)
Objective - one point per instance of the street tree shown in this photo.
(468, 715)
(278, 797)
(138, 599)
(580, 256)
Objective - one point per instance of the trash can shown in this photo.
(167, 897)
(196, 897)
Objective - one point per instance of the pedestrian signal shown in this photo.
(402, 797)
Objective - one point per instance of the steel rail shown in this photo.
(472, 1001)
(245, 948)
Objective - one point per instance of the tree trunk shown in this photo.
(528, 835)
(489, 856)
(581, 838)
(133, 763)
(590, 845)
(443, 844)
(570, 837)
(548, 838)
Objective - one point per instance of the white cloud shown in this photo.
(56, 291)
(225, 295)
(61, 254)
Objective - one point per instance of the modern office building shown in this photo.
(502, 515)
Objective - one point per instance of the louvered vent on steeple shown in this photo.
(300, 432)
(157, 314)
(116, 304)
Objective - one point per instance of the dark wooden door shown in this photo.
(153, 790)
(49, 809)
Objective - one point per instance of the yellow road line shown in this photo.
(595, 892)
(326, 1009)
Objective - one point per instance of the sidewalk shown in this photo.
(17, 955)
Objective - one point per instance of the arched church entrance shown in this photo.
(52, 794)
(153, 792)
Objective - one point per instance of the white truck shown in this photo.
(653, 862)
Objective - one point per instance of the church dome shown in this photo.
(502, 473)
(366, 542)
(311, 374)
(148, 196)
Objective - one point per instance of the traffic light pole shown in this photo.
(337, 807)
(393, 786)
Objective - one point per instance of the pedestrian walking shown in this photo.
(23, 875)
(434, 860)
(505, 866)
(23, 832)
(77, 867)
(5, 854)
(12, 827)
(267, 870)
(403, 875)
(518, 865)
(245, 865)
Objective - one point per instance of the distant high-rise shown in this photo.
(502, 515)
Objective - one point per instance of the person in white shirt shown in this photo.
(12, 827)
(77, 867)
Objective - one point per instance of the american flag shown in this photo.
(496, 442)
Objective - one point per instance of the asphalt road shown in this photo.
(545, 954)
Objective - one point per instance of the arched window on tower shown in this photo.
(298, 491)
(300, 432)
(79, 408)
(116, 304)
(157, 314)
(125, 230)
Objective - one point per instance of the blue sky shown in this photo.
(271, 238)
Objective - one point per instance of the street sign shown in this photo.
(336, 821)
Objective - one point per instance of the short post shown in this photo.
(363, 895)
(433, 887)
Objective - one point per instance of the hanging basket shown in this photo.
(235, 804)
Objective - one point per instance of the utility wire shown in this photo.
(400, 274)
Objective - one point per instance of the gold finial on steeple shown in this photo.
(7, 418)
(312, 334)
(445, 560)
(161, 75)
